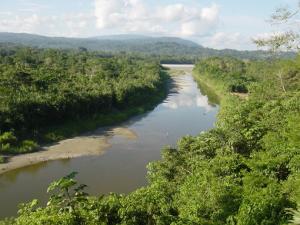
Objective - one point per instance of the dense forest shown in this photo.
(167, 49)
(41, 88)
(245, 171)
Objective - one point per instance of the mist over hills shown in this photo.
(171, 48)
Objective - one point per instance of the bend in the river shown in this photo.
(113, 159)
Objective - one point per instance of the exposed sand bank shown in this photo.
(93, 143)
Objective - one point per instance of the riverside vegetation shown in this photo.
(48, 95)
(245, 171)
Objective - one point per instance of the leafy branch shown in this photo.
(67, 195)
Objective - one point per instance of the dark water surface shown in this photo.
(122, 168)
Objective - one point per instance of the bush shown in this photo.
(2, 159)
(238, 88)
(8, 137)
(28, 146)
(7, 142)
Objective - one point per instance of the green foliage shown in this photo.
(244, 171)
(296, 217)
(227, 71)
(264, 202)
(65, 206)
(42, 89)
(264, 131)
(27, 146)
(10, 145)
(288, 37)
(7, 141)
(69, 197)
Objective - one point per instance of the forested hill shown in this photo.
(169, 49)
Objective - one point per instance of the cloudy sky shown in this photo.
(218, 24)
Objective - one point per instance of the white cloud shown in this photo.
(210, 13)
(201, 22)
(202, 102)
(108, 12)
(223, 40)
(267, 35)
(190, 21)
(19, 23)
(173, 19)
(77, 24)
(116, 16)
(172, 12)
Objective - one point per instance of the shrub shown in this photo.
(28, 146)
(7, 141)
(2, 159)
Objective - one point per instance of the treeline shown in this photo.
(243, 172)
(46, 87)
(165, 47)
(230, 73)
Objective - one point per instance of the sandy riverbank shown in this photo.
(93, 143)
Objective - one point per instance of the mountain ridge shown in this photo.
(147, 45)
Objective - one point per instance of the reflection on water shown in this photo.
(212, 97)
(122, 168)
(188, 96)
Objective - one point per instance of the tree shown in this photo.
(288, 37)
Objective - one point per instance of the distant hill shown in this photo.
(146, 39)
(164, 47)
(117, 43)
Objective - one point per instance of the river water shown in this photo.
(187, 110)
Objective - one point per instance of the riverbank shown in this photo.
(210, 85)
(208, 90)
(77, 127)
(215, 89)
(94, 143)
(185, 111)
(85, 142)
(81, 137)
(226, 172)
(58, 140)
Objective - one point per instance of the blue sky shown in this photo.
(218, 24)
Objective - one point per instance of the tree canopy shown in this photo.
(42, 88)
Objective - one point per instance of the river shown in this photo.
(130, 147)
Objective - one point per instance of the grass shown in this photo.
(208, 90)
(218, 88)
